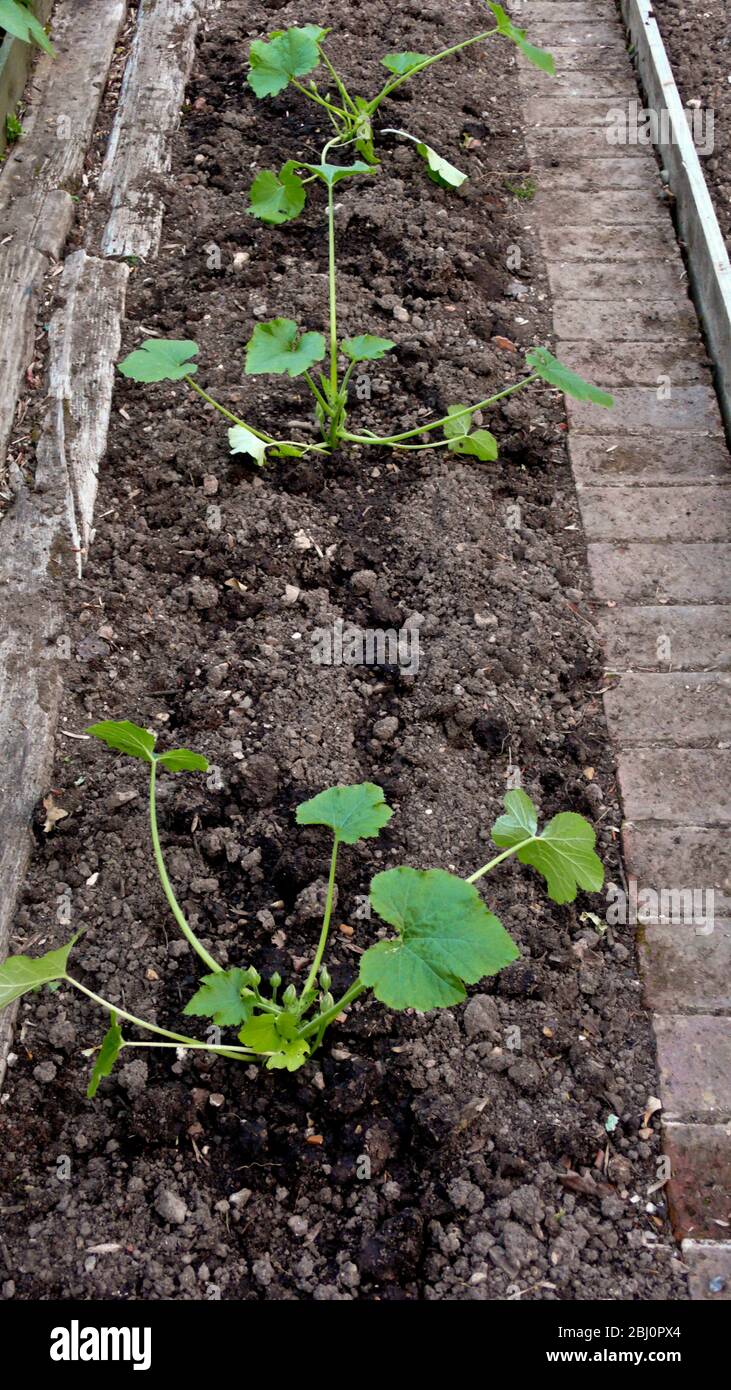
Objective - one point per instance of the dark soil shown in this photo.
(698, 41)
(191, 1179)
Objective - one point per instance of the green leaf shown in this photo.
(277, 198)
(160, 359)
(480, 444)
(260, 1033)
(290, 53)
(219, 998)
(22, 24)
(563, 852)
(19, 974)
(447, 938)
(401, 63)
(537, 56)
(183, 760)
(286, 451)
(125, 738)
(440, 170)
(278, 348)
(292, 1056)
(545, 365)
(334, 173)
(366, 347)
(364, 131)
(242, 441)
(106, 1057)
(353, 813)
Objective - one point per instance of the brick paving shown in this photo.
(654, 485)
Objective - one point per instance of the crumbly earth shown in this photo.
(698, 41)
(494, 1151)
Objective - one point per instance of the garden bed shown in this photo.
(495, 1168)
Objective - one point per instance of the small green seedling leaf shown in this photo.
(242, 441)
(106, 1056)
(290, 53)
(22, 24)
(546, 366)
(334, 173)
(183, 760)
(563, 852)
(125, 738)
(539, 57)
(401, 63)
(292, 1056)
(260, 1034)
(353, 813)
(439, 169)
(19, 974)
(277, 347)
(366, 348)
(480, 444)
(277, 198)
(160, 359)
(447, 938)
(219, 998)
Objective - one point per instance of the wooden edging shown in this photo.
(708, 262)
(16, 57)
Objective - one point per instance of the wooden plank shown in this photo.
(147, 117)
(84, 340)
(21, 274)
(16, 60)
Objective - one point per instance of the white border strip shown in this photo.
(710, 270)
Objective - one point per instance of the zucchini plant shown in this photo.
(444, 937)
(18, 19)
(280, 347)
(279, 62)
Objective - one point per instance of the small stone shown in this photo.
(210, 485)
(481, 1017)
(45, 1073)
(386, 729)
(363, 581)
(171, 1207)
(400, 314)
(291, 593)
(240, 1198)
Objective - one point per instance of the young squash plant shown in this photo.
(282, 348)
(279, 62)
(444, 937)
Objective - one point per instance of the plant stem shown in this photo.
(237, 1052)
(436, 424)
(178, 1038)
(227, 413)
(317, 393)
(323, 1020)
(319, 953)
(187, 931)
(435, 58)
(332, 291)
(344, 93)
(499, 859)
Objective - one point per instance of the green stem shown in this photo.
(179, 1039)
(332, 291)
(445, 419)
(237, 1052)
(227, 413)
(187, 931)
(428, 62)
(317, 393)
(323, 1020)
(344, 93)
(499, 859)
(319, 953)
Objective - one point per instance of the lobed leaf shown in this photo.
(366, 348)
(539, 57)
(106, 1056)
(160, 359)
(219, 998)
(277, 198)
(242, 441)
(401, 63)
(447, 938)
(548, 367)
(563, 852)
(289, 53)
(278, 348)
(125, 738)
(352, 813)
(22, 24)
(19, 974)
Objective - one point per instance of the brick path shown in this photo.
(654, 484)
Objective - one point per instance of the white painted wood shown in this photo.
(147, 117)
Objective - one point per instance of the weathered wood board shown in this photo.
(147, 116)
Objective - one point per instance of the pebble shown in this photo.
(171, 1207)
(386, 729)
(45, 1073)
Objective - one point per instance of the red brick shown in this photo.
(636, 364)
(688, 709)
(632, 319)
(699, 637)
(655, 514)
(641, 410)
(699, 1190)
(684, 971)
(607, 280)
(669, 857)
(589, 176)
(676, 459)
(591, 212)
(709, 1270)
(694, 1056)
